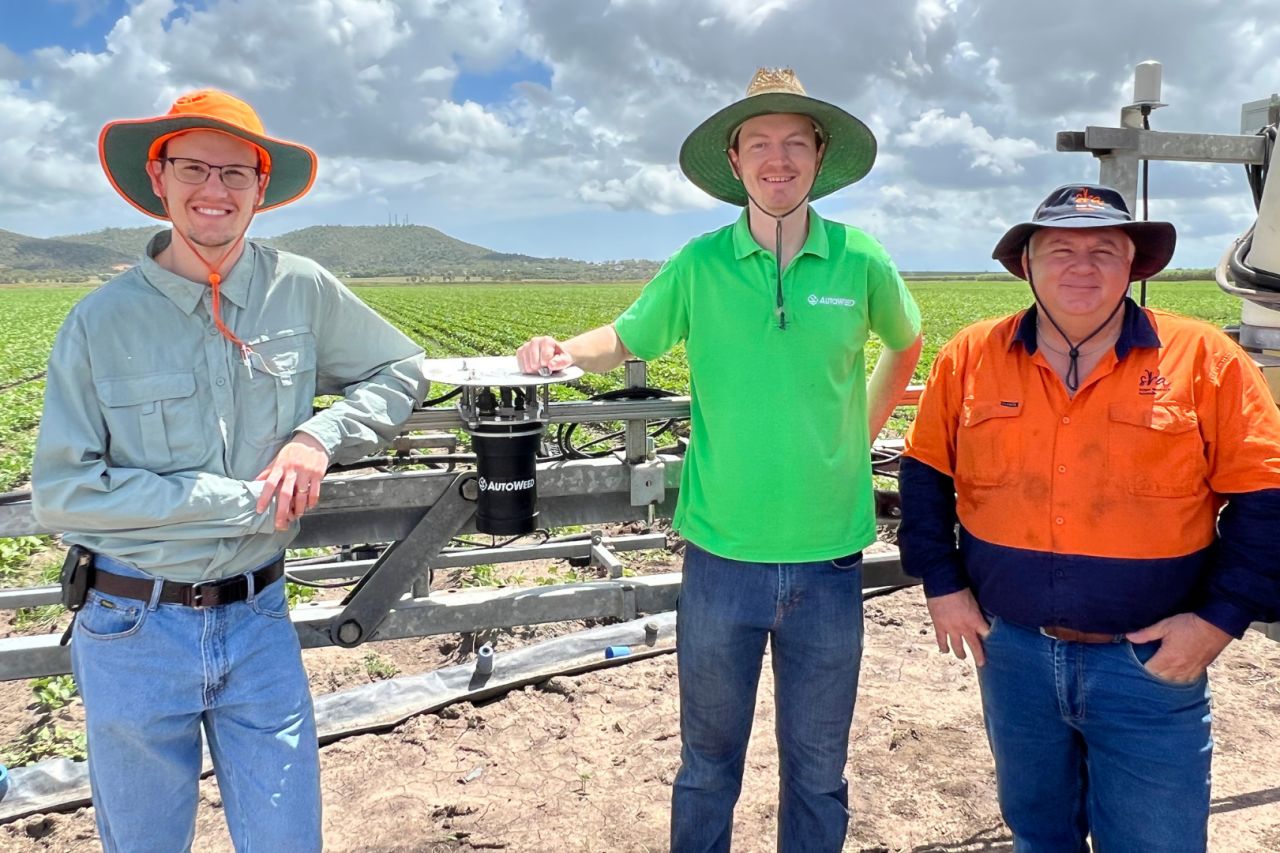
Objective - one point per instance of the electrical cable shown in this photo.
(888, 590)
(294, 579)
(434, 401)
(564, 432)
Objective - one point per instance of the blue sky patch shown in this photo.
(494, 87)
(76, 25)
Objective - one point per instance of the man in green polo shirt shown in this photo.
(776, 501)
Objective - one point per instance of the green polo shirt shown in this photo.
(778, 467)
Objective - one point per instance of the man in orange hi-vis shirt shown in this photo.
(1086, 447)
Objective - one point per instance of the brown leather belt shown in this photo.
(1071, 635)
(200, 594)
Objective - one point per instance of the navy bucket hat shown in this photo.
(1091, 206)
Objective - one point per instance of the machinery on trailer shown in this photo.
(517, 479)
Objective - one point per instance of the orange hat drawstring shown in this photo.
(215, 282)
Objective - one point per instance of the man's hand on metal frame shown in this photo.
(543, 355)
(295, 475)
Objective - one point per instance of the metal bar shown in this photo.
(390, 578)
(417, 442)
(458, 612)
(1120, 170)
(637, 432)
(468, 611)
(37, 596)
(583, 411)
(1187, 147)
(1071, 141)
(587, 411)
(602, 557)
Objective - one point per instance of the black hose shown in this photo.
(1246, 275)
(443, 397)
(1241, 272)
(14, 497)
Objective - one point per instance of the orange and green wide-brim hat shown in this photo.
(126, 146)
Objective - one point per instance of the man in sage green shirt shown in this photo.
(179, 445)
(775, 500)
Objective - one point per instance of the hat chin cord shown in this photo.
(215, 282)
(780, 310)
(1072, 379)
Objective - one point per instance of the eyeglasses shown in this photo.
(233, 177)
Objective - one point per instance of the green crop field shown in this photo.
(480, 319)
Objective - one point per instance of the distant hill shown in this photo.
(412, 252)
(23, 258)
(373, 250)
(349, 251)
(126, 241)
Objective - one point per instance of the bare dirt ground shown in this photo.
(585, 763)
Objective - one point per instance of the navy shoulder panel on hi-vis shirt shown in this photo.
(1096, 511)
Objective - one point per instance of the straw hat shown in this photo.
(850, 145)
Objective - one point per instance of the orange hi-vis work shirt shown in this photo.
(1096, 511)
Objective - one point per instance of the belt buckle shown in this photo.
(197, 594)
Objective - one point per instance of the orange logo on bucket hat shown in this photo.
(1085, 200)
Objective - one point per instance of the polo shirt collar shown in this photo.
(815, 243)
(184, 292)
(1136, 331)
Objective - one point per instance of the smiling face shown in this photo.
(1080, 274)
(777, 157)
(209, 215)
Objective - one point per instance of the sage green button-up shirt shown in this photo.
(154, 428)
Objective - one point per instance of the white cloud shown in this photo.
(451, 130)
(658, 189)
(391, 95)
(999, 156)
(749, 14)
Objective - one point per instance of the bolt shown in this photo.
(651, 632)
(484, 659)
(349, 633)
(470, 490)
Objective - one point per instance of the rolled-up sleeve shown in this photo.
(373, 366)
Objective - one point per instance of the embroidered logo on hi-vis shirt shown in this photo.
(842, 302)
(1085, 200)
(1150, 382)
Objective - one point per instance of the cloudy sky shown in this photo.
(551, 127)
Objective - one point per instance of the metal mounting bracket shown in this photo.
(395, 571)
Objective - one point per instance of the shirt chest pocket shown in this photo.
(989, 442)
(282, 386)
(153, 421)
(1156, 450)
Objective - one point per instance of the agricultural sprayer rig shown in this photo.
(529, 467)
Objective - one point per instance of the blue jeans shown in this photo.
(1086, 739)
(811, 614)
(152, 675)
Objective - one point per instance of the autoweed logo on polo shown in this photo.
(838, 301)
(505, 485)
